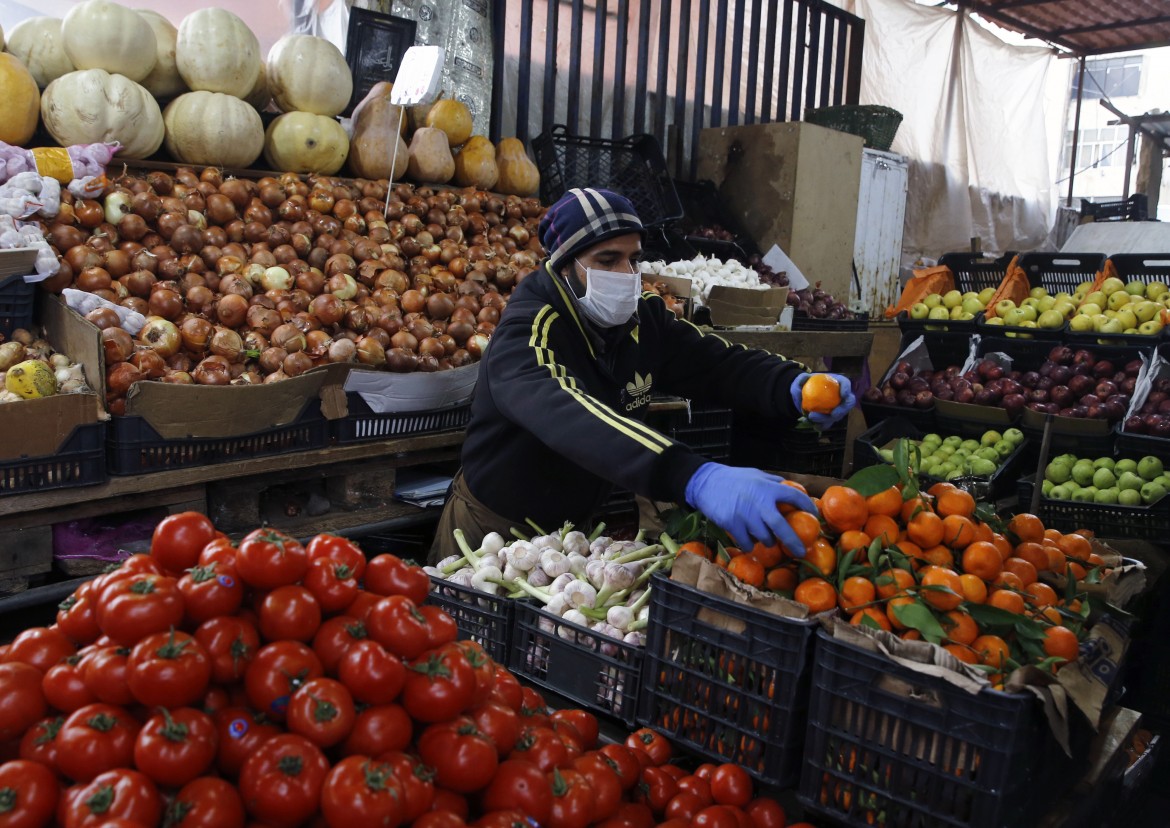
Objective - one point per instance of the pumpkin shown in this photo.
(475, 165)
(303, 142)
(164, 80)
(92, 105)
(99, 34)
(430, 157)
(217, 52)
(518, 175)
(376, 124)
(453, 117)
(38, 43)
(213, 128)
(378, 91)
(260, 97)
(20, 101)
(308, 74)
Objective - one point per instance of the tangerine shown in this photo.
(806, 526)
(781, 579)
(893, 603)
(817, 594)
(697, 548)
(856, 592)
(893, 582)
(910, 635)
(940, 488)
(943, 599)
(1061, 642)
(992, 650)
(1008, 580)
(954, 503)
(1026, 527)
(1034, 553)
(962, 652)
(983, 532)
(974, 590)
(844, 508)
(887, 502)
(1076, 570)
(820, 394)
(822, 556)
(1041, 594)
(874, 614)
(961, 627)
(939, 556)
(852, 541)
(925, 529)
(1075, 546)
(747, 569)
(1003, 545)
(1056, 558)
(958, 531)
(914, 506)
(882, 527)
(982, 559)
(1023, 569)
(768, 556)
(1005, 599)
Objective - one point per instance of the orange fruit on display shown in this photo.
(940, 488)
(887, 502)
(912, 507)
(954, 502)
(1005, 599)
(856, 591)
(910, 635)
(781, 579)
(882, 527)
(962, 652)
(853, 540)
(817, 594)
(820, 394)
(1003, 545)
(805, 525)
(1034, 553)
(747, 569)
(925, 529)
(844, 508)
(937, 576)
(982, 559)
(1022, 569)
(873, 613)
(1008, 580)
(1041, 594)
(960, 627)
(768, 556)
(974, 590)
(697, 548)
(1061, 642)
(1026, 527)
(958, 531)
(822, 556)
(992, 650)
(983, 532)
(1075, 546)
(893, 604)
(893, 582)
(939, 556)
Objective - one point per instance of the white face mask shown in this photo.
(610, 298)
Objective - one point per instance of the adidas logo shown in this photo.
(638, 390)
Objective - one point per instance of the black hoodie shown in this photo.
(557, 415)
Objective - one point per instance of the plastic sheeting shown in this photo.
(981, 120)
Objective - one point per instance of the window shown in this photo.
(1115, 77)
(1102, 147)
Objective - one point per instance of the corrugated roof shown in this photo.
(1085, 27)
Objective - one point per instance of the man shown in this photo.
(565, 384)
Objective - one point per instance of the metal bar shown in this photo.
(1013, 23)
(641, 91)
(524, 71)
(785, 63)
(753, 62)
(856, 49)
(680, 85)
(1129, 151)
(1014, 4)
(548, 115)
(720, 64)
(663, 56)
(795, 107)
(1116, 24)
(619, 88)
(737, 35)
(769, 62)
(499, 11)
(841, 50)
(598, 68)
(1072, 164)
(572, 116)
(700, 85)
(829, 37)
(811, 49)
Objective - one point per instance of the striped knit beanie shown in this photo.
(581, 218)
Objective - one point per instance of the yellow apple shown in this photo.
(952, 298)
(1097, 297)
(1155, 289)
(1050, 319)
(933, 300)
(1145, 311)
(1111, 285)
(985, 295)
(1127, 317)
(1089, 309)
(1081, 322)
(1119, 300)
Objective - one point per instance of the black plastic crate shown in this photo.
(1056, 272)
(1105, 519)
(633, 166)
(134, 447)
(702, 206)
(1064, 440)
(1026, 354)
(888, 745)
(81, 461)
(596, 671)
(1019, 332)
(766, 445)
(1141, 445)
(16, 304)
(1145, 267)
(362, 424)
(975, 272)
(955, 327)
(732, 695)
(874, 413)
(1134, 208)
(860, 322)
(485, 619)
(706, 429)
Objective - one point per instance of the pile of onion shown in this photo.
(250, 281)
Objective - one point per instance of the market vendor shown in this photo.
(564, 387)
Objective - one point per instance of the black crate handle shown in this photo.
(902, 690)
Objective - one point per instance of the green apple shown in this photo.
(919, 310)
(1149, 467)
(886, 454)
(933, 438)
(1119, 300)
(1084, 287)
(1111, 285)
(1128, 481)
(1090, 309)
(1059, 493)
(1046, 487)
(990, 438)
(995, 320)
(1064, 308)
(944, 452)
(1105, 496)
(1084, 495)
(944, 469)
(1104, 479)
(1129, 497)
(1151, 328)
(986, 294)
(939, 312)
(1164, 479)
(1028, 313)
(1083, 473)
(952, 298)
(1014, 436)
(1004, 448)
(1104, 463)
(956, 474)
(1081, 323)
(983, 467)
(957, 312)
(1046, 303)
(1155, 289)
(1003, 306)
(1153, 492)
(1037, 293)
(972, 306)
(1050, 319)
(1135, 287)
(933, 300)
(988, 453)
(1125, 465)
(953, 441)
(1013, 317)
(1031, 302)
(1058, 472)
(970, 445)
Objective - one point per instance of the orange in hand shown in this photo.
(820, 394)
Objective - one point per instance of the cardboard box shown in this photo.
(680, 286)
(732, 307)
(17, 261)
(1072, 426)
(390, 393)
(985, 414)
(37, 428)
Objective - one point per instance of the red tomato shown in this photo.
(607, 788)
(175, 747)
(445, 800)
(268, 558)
(624, 764)
(533, 709)
(214, 700)
(500, 724)
(657, 788)
(765, 812)
(334, 638)
(655, 745)
(542, 747)
(636, 814)
(279, 670)
(731, 785)
(675, 823)
(28, 794)
(104, 672)
(211, 590)
(503, 819)
(705, 770)
(572, 800)
(360, 791)
(322, 711)
(178, 540)
(372, 674)
(333, 584)
(585, 724)
(116, 794)
(39, 743)
(484, 667)
(414, 778)
(676, 773)
(396, 623)
(231, 643)
(76, 617)
(168, 670)
(684, 805)
(40, 647)
(699, 787)
(239, 734)
(439, 819)
(507, 690)
(220, 550)
(463, 758)
(139, 605)
(390, 575)
(441, 627)
(64, 686)
(338, 550)
(378, 729)
(22, 699)
(520, 784)
(569, 735)
(439, 685)
(281, 782)
(361, 606)
(715, 816)
(289, 613)
(94, 739)
(206, 802)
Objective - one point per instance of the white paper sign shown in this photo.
(419, 76)
(388, 393)
(778, 260)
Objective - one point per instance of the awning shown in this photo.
(1083, 27)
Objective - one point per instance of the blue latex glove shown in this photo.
(824, 421)
(743, 502)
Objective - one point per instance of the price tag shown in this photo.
(778, 260)
(419, 76)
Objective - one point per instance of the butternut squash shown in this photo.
(518, 175)
(381, 90)
(20, 101)
(475, 165)
(454, 118)
(375, 132)
(430, 157)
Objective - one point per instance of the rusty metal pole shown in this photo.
(1072, 164)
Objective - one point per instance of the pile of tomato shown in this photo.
(270, 683)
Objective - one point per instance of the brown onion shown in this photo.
(118, 345)
(289, 337)
(271, 359)
(149, 362)
(371, 352)
(231, 310)
(196, 334)
(214, 370)
(226, 343)
(404, 340)
(161, 335)
(342, 350)
(297, 363)
(104, 318)
(120, 377)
